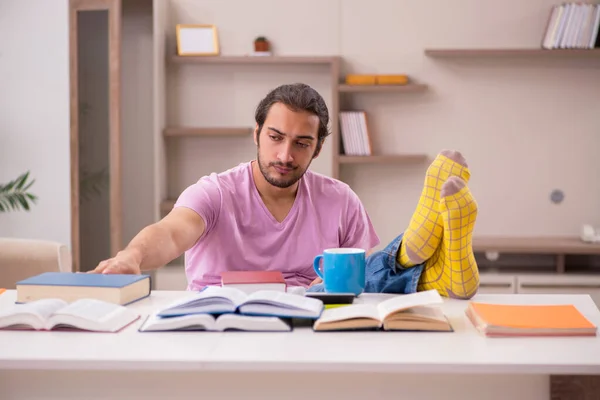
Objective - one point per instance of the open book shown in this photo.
(84, 314)
(210, 322)
(222, 300)
(416, 311)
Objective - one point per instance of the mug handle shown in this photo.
(316, 266)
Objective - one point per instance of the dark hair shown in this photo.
(297, 97)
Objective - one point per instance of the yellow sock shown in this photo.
(424, 233)
(452, 270)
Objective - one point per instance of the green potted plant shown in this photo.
(261, 44)
(14, 195)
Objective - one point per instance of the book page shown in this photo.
(285, 300)
(251, 323)
(32, 314)
(236, 296)
(349, 312)
(91, 309)
(420, 313)
(213, 299)
(43, 309)
(93, 315)
(405, 301)
(193, 322)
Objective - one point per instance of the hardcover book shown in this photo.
(69, 286)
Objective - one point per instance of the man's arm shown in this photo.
(157, 244)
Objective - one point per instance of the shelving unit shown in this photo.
(530, 281)
(411, 87)
(536, 245)
(332, 65)
(255, 60)
(216, 131)
(515, 52)
(383, 159)
(559, 248)
(345, 91)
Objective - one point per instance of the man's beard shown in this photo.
(284, 182)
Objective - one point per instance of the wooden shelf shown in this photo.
(383, 159)
(315, 60)
(535, 245)
(216, 131)
(411, 87)
(534, 52)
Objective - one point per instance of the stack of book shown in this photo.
(573, 26)
(356, 140)
(75, 301)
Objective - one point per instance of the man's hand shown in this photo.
(123, 263)
(316, 281)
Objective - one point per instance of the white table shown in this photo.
(298, 365)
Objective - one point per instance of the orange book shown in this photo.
(529, 320)
(392, 79)
(358, 79)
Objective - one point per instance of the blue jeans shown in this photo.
(383, 274)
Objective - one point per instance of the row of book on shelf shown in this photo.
(354, 132)
(257, 301)
(573, 25)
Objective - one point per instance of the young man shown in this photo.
(273, 213)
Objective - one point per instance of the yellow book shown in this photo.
(357, 79)
(392, 79)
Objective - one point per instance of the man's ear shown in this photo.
(255, 134)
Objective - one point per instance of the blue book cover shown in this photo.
(82, 279)
(61, 282)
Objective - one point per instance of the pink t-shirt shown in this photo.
(241, 233)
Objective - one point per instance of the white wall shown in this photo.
(513, 119)
(34, 113)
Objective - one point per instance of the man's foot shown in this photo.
(452, 270)
(424, 233)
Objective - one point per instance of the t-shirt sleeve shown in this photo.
(358, 231)
(204, 197)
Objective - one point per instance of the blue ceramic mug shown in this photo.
(343, 270)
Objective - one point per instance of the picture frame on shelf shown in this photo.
(197, 40)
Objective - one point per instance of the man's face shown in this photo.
(287, 145)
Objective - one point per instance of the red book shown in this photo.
(251, 281)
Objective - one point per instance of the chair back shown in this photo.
(23, 258)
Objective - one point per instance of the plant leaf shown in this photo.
(21, 180)
(14, 195)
